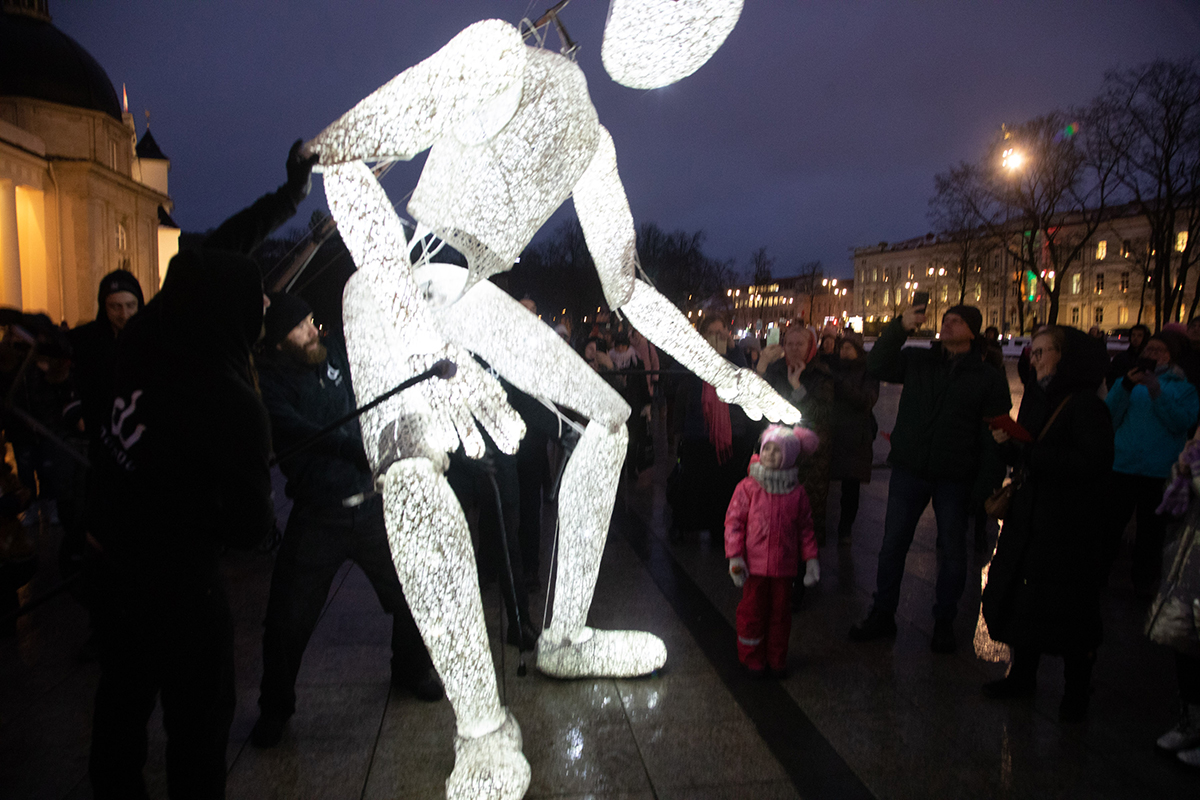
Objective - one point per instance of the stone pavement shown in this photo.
(851, 720)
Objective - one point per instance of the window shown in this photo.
(887, 294)
(1076, 283)
(122, 237)
(1099, 314)
(1074, 315)
(945, 292)
(1123, 315)
(996, 262)
(1126, 248)
(875, 274)
(995, 316)
(1124, 281)
(1101, 249)
(1099, 282)
(112, 155)
(978, 291)
(1180, 241)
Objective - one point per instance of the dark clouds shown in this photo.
(817, 127)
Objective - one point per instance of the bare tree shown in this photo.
(1040, 192)
(953, 210)
(1149, 117)
(760, 266)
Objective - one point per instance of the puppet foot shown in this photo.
(602, 654)
(489, 767)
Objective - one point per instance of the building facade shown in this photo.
(77, 199)
(813, 298)
(1109, 286)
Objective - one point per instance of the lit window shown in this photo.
(1099, 314)
(122, 237)
(1076, 284)
(1101, 249)
(1099, 282)
(945, 292)
(1126, 248)
(1180, 241)
(875, 274)
(978, 291)
(887, 296)
(1123, 315)
(1074, 315)
(1124, 281)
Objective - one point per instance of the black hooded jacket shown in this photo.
(94, 345)
(184, 464)
(1045, 579)
(301, 400)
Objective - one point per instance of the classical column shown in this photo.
(10, 254)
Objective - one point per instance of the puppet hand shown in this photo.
(471, 396)
(758, 399)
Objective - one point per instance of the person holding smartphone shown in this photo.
(1153, 406)
(937, 442)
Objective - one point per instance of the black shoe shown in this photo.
(877, 625)
(1074, 706)
(426, 686)
(943, 637)
(267, 731)
(1010, 686)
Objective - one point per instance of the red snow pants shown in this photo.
(764, 622)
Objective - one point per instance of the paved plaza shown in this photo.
(886, 720)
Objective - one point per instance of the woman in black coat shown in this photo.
(854, 396)
(1044, 582)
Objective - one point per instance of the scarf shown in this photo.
(775, 481)
(716, 421)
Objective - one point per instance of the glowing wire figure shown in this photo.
(512, 133)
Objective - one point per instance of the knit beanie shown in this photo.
(970, 315)
(119, 280)
(792, 441)
(285, 312)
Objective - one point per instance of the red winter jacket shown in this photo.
(767, 529)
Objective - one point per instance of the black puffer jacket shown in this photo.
(184, 464)
(939, 430)
(1044, 582)
(301, 400)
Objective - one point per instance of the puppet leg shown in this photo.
(529, 354)
(431, 547)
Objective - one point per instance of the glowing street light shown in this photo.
(1012, 159)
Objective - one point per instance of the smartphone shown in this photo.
(920, 300)
(773, 336)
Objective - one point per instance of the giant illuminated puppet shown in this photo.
(511, 133)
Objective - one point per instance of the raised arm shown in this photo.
(608, 228)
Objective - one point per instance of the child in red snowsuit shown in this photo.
(768, 521)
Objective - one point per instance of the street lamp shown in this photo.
(1012, 159)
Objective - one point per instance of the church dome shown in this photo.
(38, 60)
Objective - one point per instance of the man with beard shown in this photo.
(337, 515)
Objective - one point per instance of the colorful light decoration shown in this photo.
(512, 133)
(649, 44)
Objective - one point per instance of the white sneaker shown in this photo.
(490, 767)
(1185, 735)
(602, 654)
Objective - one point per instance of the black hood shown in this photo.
(1084, 362)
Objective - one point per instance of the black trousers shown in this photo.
(851, 490)
(173, 642)
(1130, 493)
(315, 545)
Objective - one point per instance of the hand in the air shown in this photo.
(299, 171)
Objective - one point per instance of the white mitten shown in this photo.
(812, 572)
(737, 570)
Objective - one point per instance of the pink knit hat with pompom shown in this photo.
(792, 441)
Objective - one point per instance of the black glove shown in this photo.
(299, 172)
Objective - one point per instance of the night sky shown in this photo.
(816, 128)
